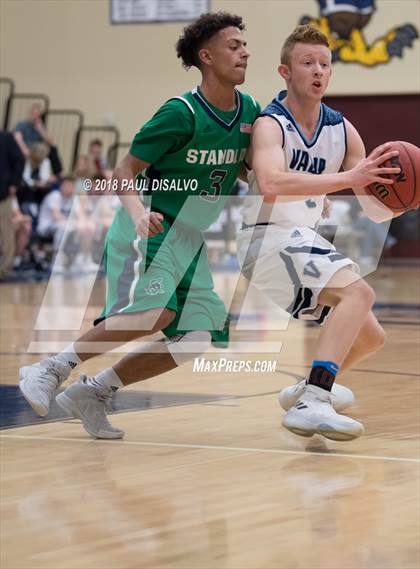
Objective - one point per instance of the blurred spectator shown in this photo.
(11, 167)
(337, 213)
(29, 132)
(56, 165)
(23, 229)
(87, 200)
(55, 210)
(37, 180)
(374, 240)
(103, 214)
(95, 207)
(337, 226)
(91, 165)
(105, 211)
(81, 173)
(38, 172)
(32, 130)
(97, 164)
(60, 217)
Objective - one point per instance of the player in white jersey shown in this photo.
(280, 252)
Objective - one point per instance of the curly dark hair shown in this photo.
(201, 30)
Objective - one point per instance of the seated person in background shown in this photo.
(32, 131)
(103, 214)
(97, 164)
(11, 167)
(86, 200)
(23, 230)
(88, 194)
(60, 213)
(81, 173)
(37, 181)
(95, 208)
(56, 165)
(55, 211)
(106, 209)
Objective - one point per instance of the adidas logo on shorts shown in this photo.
(296, 233)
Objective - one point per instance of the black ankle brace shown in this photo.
(321, 377)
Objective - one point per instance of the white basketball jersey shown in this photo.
(323, 154)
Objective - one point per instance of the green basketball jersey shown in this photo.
(192, 183)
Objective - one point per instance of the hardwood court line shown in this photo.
(214, 447)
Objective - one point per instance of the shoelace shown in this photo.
(315, 395)
(45, 375)
(101, 412)
(104, 398)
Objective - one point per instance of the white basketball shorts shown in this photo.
(291, 265)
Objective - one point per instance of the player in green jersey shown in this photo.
(189, 156)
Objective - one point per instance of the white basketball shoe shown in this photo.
(341, 397)
(87, 404)
(39, 382)
(313, 413)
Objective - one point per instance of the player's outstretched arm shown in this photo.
(268, 163)
(147, 224)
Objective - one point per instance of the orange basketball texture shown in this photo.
(404, 193)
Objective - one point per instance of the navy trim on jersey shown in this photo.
(227, 125)
(345, 138)
(278, 122)
(331, 117)
(312, 142)
(327, 117)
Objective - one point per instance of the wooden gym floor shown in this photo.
(206, 477)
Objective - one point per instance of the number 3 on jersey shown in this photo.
(217, 176)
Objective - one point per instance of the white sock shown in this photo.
(68, 356)
(105, 381)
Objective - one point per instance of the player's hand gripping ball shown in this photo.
(404, 193)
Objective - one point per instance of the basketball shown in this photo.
(404, 193)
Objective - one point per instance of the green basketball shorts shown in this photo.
(169, 270)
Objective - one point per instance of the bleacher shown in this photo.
(66, 126)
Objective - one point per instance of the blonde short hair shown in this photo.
(302, 34)
(38, 152)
